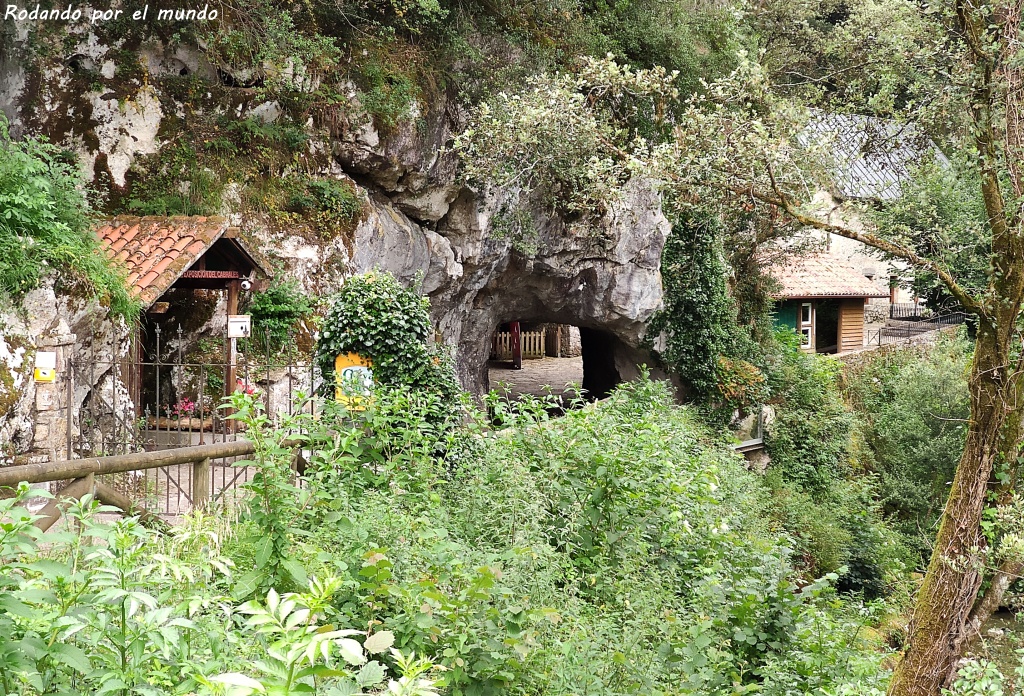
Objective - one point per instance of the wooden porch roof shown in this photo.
(158, 252)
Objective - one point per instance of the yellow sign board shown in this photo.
(45, 374)
(353, 380)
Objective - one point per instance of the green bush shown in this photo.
(329, 205)
(620, 549)
(386, 93)
(615, 550)
(374, 316)
(114, 608)
(809, 438)
(175, 182)
(45, 227)
(821, 494)
(913, 405)
(702, 343)
(841, 532)
(275, 314)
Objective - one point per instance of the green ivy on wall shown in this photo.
(702, 343)
(374, 316)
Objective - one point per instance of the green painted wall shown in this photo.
(785, 314)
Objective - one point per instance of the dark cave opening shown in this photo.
(539, 359)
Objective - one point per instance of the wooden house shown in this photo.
(822, 298)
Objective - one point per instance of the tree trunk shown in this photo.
(1009, 570)
(938, 627)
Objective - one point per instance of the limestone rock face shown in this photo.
(418, 220)
(78, 331)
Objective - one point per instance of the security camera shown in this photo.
(247, 285)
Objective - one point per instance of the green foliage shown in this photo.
(515, 224)
(820, 496)
(176, 183)
(271, 510)
(45, 226)
(263, 46)
(702, 343)
(699, 42)
(564, 134)
(114, 608)
(809, 439)
(977, 678)
(521, 557)
(275, 314)
(913, 406)
(619, 549)
(386, 92)
(329, 205)
(374, 316)
(941, 214)
(841, 531)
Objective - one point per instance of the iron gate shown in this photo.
(135, 405)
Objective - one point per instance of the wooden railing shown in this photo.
(532, 343)
(83, 473)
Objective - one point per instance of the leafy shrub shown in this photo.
(808, 441)
(702, 343)
(275, 314)
(374, 316)
(913, 406)
(523, 556)
(174, 182)
(828, 506)
(45, 226)
(620, 549)
(114, 608)
(270, 511)
(841, 532)
(331, 206)
(385, 92)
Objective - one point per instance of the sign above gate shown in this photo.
(211, 274)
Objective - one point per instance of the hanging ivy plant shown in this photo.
(702, 343)
(374, 316)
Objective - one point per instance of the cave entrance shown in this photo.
(534, 358)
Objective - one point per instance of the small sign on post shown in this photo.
(239, 325)
(46, 366)
(353, 380)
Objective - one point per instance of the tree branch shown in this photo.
(969, 302)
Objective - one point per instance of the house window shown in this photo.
(806, 324)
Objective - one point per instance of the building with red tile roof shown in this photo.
(822, 298)
(159, 253)
(822, 275)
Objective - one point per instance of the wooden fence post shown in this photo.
(517, 348)
(51, 512)
(200, 483)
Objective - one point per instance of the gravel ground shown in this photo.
(537, 374)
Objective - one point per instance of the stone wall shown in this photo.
(33, 416)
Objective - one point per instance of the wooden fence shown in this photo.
(532, 343)
(83, 472)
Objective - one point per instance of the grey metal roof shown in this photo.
(871, 156)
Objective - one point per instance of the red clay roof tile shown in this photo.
(157, 250)
(822, 275)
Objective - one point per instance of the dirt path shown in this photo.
(536, 375)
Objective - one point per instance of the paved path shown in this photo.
(537, 374)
